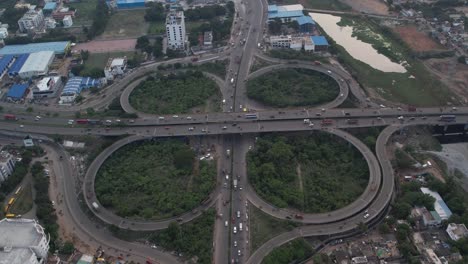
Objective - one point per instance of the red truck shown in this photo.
(327, 122)
(10, 117)
(82, 121)
(317, 63)
(299, 216)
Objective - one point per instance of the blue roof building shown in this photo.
(5, 61)
(126, 4)
(75, 85)
(59, 47)
(49, 7)
(306, 24)
(17, 65)
(17, 92)
(286, 13)
(320, 42)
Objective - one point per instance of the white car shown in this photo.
(175, 116)
(400, 118)
(366, 216)
(235, 243)
(227, 177)
(329, 72)
(234, 230)
(239, 252)
(226, 223)
(70, 122)
(238, 214)
(190, 129)
(189, 118)
(161, 118)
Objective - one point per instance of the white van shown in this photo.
(235, 230)
(240, 226)
(226, 223)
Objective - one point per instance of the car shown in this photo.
(400, 118)
(235, 243)
(246, 204)
(239, 252)
(454, 108)
(318, 114)
(366, 216)
(224, 101)
(190, 129)
(71, 121)
(166, 127)
(399, 108)
(203, 130)
(154, 246)
(224, 127)
(118, 120)
(250, 147)
(227, 177)
(347, 113)
(238, 214)
(329, 72)
(38, 117)
(424, 118)
(412, 118)
(234, 230)
(341, 95)
(175, 116)
(225, 185)
(189, 118)
(226, 223)
(131, 121)
(323, 109)
(161, 118)
(311, 124)
(240, 188)
(53, 203)
(382, 106)
(108, 121)
(21, 126)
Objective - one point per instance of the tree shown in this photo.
(155, 12)
(29, 109)
(462, 59)
(275, 26)
(401, 210)
(362, 227)
(384, 228)
(67, 248)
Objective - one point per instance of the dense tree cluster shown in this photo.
(174, 93)
(295, 251)
(154, 180)
(205, 12)
(194, 239)
(12, 15)
(155, 12)
(293, 87)
(411, 195)
(333, 173)
(144, 44)
(100, 19)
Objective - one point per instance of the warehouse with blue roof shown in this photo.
(127, 4)
(5, 62)
(17, 65)
(17, 92)
(306, 24)
(59, 48)
(286, 13)
(74, 86)
(320, 43)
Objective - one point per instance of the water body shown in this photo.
(356, 48)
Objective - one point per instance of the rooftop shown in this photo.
(285, 14)
(57, 47)
(319, 40)
(43, 84)
(305, 20)
(19, 233)
(439, 205)
(117, 62)
(37, 61)
(16, 256)
(50, 6)
(16, 91)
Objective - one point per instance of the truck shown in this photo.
(234, 183)
(95, 206)
(94, 122)
(447, 118)
(10, 117)
(327, 122)
(306, 121)
(411, 108)
(299, 216)
(251, 116)
(228, 152)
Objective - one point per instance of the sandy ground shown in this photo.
(418, 41)
(456, 157)
(368, 6)
(451, 73)
(101, 46)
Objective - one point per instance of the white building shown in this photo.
(175, 30)
(456, 231)
(7, 164)
(32, 20)
(308, 44)
(67, 21)
(3, 33)
(37, 64)
(114, 67)
(50, 23)
(23, 242)
(280, 42)
(46, 87)
(296, 43)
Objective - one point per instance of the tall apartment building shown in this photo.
(23, 241)
(31, 20)
(175, 30)
(7, 164)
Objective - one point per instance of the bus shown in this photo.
(18, 190)
(251, 116)
(10, 215)
(447, 118)
(11, 201)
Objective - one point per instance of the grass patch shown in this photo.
(154, 180)
(296, 55)
(84, 11)
(24, 201)
(157, 27)
(99, 60)
(293, 87)
(416, 87)
(178, 93)
(126, 24)
(321, 4)
(332, 172)
(193, 240)
(294, 251)
(263, 227)
(218, 67)
(7, 3)
(258, 64)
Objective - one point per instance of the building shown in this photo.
(296, 43)
(50, 23)
(49, 7)
(17, 92)
(5, 62)
(3, 33)
(67, 21)
(320, 43)
(175, 30)
(23, 241)
(127, 4)
(62, 12)
(439, 205)
(17, 65)
(456, 231)
(7, 164)
(280, 42)
(429, 219)
(46, 87)
(306, 24)
(74, 86)
(37, 64)
(114, 67)
(208, 39)
(86, 259)
(308, 44)
(286, 13)
(60, 47)
(28, 141)
(31, 21)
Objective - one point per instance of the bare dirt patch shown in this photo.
(417, 40)
(368, 6)
(100, 46)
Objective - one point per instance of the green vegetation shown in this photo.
(175, 93)
(154, 180)
(194, 239)
(289, 54)
(94, 63)
(218, 67)
(314, 173)
(158, 27)
(45, 211)
(126, 24)
(258, 64)
(263, 227)
(85, 11)
(12, 15)
(293, 87)
(24, 201)
(100, 18)
(406, 248)
(414, 87)
(7, 3)
(367, 135)
(321, 4)
(410, 196)
(292, 252)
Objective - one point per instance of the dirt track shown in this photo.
(417, 40)
(102, 46)
(368, 6)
